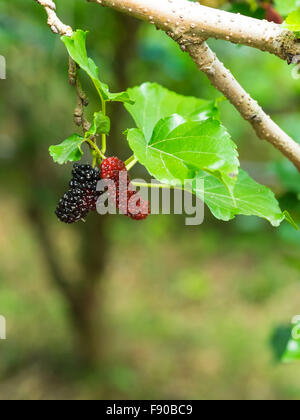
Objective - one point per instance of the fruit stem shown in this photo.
(131, 162)
(160, 186)
(103, 103)
(96, 148)
(94, 154)
(103, 135)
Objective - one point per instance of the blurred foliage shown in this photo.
(292, 351)
(187, 312)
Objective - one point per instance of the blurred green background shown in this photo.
(112, 309)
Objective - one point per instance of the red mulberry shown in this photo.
(127, 201)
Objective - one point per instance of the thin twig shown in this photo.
(82, 101)
(58, 27)
(54, 22)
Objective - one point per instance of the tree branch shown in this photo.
(190, 25)
(223, 80)
(54, 22)
(188, 21)
(82, 100)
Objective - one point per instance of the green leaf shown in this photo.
(285, 7)
(153, 102)
(167, 170)
(200, 145)
(179, 149)
(100, 125)
(247, 197)
(251, 198)
(292, 22)
(76, 46)
(68, 151)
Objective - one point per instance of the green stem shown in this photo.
(103, 135)
(96, 148)
(94, 159)
(131, 162)
(160, 186)
(103, 102)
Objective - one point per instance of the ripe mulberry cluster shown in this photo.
(82, 195)
(127, 201)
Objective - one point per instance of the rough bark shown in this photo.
(190, 20)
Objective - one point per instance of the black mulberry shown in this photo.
(82, 196)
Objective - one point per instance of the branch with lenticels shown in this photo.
(190, 25)
(190, 20)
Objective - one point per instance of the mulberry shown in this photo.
(127, 201)
(82, 196)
